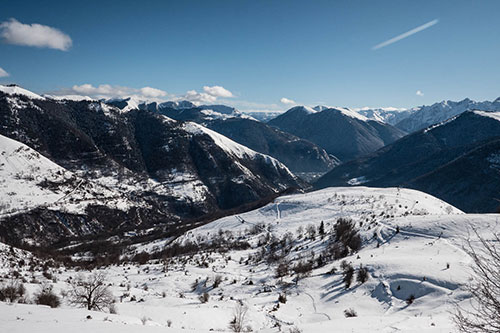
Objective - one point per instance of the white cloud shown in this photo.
(285, 100)
(199, 98)
(217, 91)
(106, 91)
(3, 73)
(153, 92)
(405, 35)
(209, 96)
(15, 32)
(419, 93)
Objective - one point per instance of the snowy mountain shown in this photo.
(390, 116)
(168, 171)
(411, 249)
(341, 132)
(452, 160)
(300, 156)
(425, 116)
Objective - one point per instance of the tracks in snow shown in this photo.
(314, 307)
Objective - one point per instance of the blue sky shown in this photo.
(311, 52)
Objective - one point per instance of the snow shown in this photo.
(20, 169)
(211, 115)
(357, 181)
(424, 259)
(345, 111)
(232, 147)
(16, 90)
(351, 113)
(490, 114)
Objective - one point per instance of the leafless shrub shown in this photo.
(485, 288)
(237, 324)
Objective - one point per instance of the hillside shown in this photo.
(397, 224)
(168, 170)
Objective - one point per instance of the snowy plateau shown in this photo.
(412, 248)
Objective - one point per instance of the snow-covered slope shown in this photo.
(29, 180)
(234, 148)
(412, 246)
(16, 90)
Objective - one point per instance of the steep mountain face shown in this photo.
(301, 156)
(341, 132)
(472, 180)
(445, 150)
(424, 116)
(160, 170)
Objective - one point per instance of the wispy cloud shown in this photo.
(37, 35)
(3, 72)
(419, 93)
(406, 34)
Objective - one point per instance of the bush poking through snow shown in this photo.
(91, 293)
(238, 322)
(204, 297)
(282, 269)
(302, 269)
(217, 281)
(12, 292)
(363, 274)
(485, 288)
(46, 296)
(348, 273)
(282, 298)
(346, 233)
(349, 313)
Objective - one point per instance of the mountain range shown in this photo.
(341, 132)
(162, 171)
(456, 160)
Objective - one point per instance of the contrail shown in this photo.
(406, 34)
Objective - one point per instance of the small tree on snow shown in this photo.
(91, 293)
(321, 229)
(485, 289)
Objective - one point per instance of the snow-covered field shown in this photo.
(412, 246)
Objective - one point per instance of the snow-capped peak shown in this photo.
(178, 105)
(13, 89)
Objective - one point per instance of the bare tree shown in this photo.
(91, 293)
(237, 324)
(485, 288)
